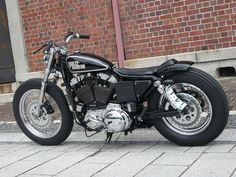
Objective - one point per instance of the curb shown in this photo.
(12, 127)
(5, 98)
(142, 136)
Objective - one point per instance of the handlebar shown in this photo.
(71, 35)
(68, 37)
(84, 36)
(36, 51)
(48, 45)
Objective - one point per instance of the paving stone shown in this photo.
(14, 157)
(105, 157)
(80, 136)
(79, 147)
(212, 165)
(135, 147)
(43, 156)
(58, 164)
(173, 161)
(107, 148)
(35, 175)
(29, 147)
(167, 148)
(234, 174)
(171, 158)
(220, 148)
(25, 139)
(7, 146)
(6, 149)
(33, 147)
(161, 171)
(198, 149)
(234, 149)
(83, 170)
(111, 147)
(92, 148)
(113, 160)
(64, 147)
(9, 137)
(227, 135)
(129, 165)
(4, 153)
(17, 168)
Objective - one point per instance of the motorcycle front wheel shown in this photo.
(207, 113)
(54, 122)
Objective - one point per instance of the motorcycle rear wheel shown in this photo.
(208, 113)
(55, 122)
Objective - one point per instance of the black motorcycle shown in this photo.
(185, 104)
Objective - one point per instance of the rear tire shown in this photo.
(66, 122)
(219, 105)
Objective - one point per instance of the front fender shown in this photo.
(180, 66)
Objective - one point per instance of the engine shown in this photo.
(96, 91)
(113, 119)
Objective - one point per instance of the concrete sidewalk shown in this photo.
(143, 153)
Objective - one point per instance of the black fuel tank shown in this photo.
(86, 62)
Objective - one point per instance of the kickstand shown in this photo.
(109, 136)
(106, 141)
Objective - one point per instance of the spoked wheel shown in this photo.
(199, 113)
(48, 124)
(207, 111)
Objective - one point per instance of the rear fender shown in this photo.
(180, 66)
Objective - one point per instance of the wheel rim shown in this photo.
(44, 126)
(199, 116)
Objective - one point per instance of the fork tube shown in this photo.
(45, 79)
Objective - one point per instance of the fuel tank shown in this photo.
(86, 62)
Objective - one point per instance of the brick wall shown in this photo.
(51, 19)
(150, 27)
(167, 27)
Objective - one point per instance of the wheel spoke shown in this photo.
(44, 126)
(198, 116)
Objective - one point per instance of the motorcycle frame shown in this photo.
(61, 66)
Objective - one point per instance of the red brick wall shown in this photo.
(149, 27)
(51, 19)
(163, 27)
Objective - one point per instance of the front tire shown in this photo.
(217, 104)
(54, 124)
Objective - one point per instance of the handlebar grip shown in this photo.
(84, 36)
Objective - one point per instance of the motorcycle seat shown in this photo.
(144, 71)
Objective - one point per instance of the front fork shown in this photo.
(44, 81)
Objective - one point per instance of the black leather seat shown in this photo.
(143, 71)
